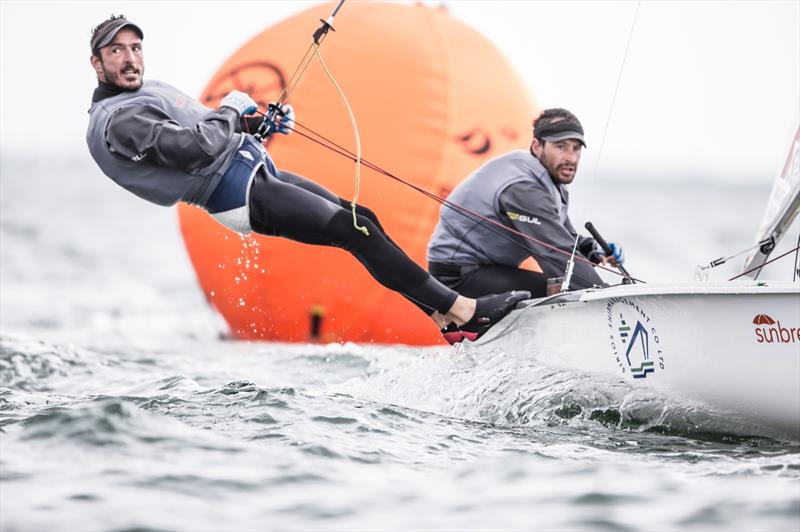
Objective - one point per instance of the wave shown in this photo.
(27, 364)
(522, 392)
(115, 422)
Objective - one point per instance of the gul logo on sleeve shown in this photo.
(524, 218)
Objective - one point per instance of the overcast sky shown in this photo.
(709, 89)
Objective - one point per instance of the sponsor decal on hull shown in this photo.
(770, 331)
(633, 338)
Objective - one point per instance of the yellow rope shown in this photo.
(358, 141)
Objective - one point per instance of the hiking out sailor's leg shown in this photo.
(319, 190)
(307, 184)
(366, 212)
(494, 280)
(283, 209)
(370, 215)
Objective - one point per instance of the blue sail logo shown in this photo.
(638, 352)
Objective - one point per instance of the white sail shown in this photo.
(782, 208)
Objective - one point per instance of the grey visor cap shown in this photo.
(104, 37)
(565, 135)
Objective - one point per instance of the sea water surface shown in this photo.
(122, 408)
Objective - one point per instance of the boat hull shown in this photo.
(732, 346)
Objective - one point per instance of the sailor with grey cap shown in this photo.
(105, 33)
(525, 190)
(165, 147)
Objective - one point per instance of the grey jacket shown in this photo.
(515, 190)
(161, 144)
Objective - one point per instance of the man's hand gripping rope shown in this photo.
(277, 119)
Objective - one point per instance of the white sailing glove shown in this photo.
(239, 101)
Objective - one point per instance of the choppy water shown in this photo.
(121, 409)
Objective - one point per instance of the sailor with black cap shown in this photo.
(526, 191)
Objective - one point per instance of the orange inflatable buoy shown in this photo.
(433, 100)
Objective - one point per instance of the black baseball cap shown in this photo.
(559, 128)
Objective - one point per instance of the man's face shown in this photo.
(121, 63)
(560, 158)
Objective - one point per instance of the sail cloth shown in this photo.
(782, 208)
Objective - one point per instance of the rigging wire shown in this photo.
(317, 38)
(313, 51)
(291, 85)
(505, 231)
(616, 88)
(766, 244)
(795, 250)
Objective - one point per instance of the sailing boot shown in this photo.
(489, 310)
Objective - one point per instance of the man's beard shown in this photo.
(113, 78)
(555, 175)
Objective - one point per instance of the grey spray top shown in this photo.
(161, 144)
(515, 190)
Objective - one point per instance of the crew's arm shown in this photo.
(146, 133)
(530, 209)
